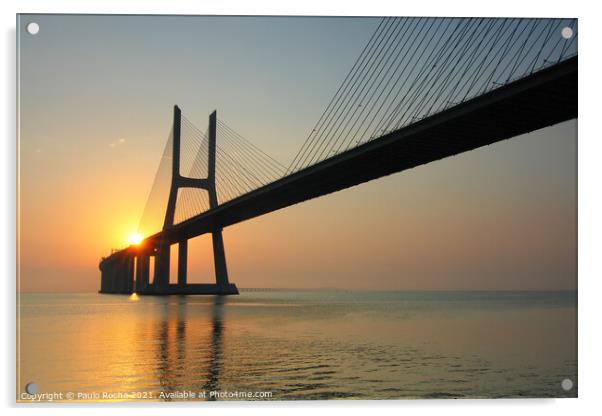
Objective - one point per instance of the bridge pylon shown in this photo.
(161, 283)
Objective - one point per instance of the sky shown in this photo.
(96, 95)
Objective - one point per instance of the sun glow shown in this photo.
(135, 238)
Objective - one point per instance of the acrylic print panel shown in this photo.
(296, 208)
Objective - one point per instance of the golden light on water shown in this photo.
(135, 238)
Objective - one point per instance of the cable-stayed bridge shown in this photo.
(422, 89)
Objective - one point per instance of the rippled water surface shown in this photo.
(285, 345)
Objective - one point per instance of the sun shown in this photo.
(135, 238)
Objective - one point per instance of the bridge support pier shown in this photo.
(161, 278)
(219, 259)
(121, 276)
(142, 272)
(182, 262)
(114, 277)
(104, 280)
(129, 273)
(118, 275)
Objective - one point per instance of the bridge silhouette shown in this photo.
(421, 90)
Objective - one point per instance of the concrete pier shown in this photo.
(182, 263)
(162, 257)
(142, 272)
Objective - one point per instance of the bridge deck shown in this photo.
(545, 98)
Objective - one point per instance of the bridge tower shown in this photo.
(161, 283)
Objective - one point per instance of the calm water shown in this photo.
(300, 345)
